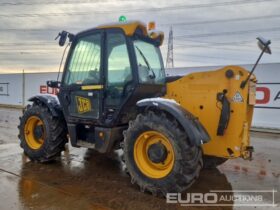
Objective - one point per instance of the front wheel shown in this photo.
(42, 136)
(158, 155)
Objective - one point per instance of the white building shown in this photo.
(15, 89)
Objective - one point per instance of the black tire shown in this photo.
(211, 162)
(188, 159)
(55, 134)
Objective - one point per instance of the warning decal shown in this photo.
(237, 97)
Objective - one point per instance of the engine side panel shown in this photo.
(197, 93)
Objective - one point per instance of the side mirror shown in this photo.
(63, 36)
(264, 45)
(53, 84)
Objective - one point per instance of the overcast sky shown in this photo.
(206, 32)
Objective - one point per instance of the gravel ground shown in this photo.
(83, 179)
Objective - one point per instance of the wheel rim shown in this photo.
(34, 132)
(142, 149)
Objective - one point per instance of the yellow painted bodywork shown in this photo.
(129, 29)
(197, 93)
(92, 87)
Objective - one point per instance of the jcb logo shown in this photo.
(83, 104)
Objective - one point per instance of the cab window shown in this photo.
(84, 64)
(149, 62)
(119, 72)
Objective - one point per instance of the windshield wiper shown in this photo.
(153, 75)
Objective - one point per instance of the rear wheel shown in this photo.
(158, 155)
(42, 136)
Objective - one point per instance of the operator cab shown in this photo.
(108, 69)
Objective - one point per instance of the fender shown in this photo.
(51, 101)
(194, 129)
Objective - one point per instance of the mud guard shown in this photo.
(195, 130)
(51, 101)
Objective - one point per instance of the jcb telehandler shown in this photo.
(114, 94)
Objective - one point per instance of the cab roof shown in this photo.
(129, 28)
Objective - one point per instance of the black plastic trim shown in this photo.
(225, 115)
(194, 129)
(50, 101)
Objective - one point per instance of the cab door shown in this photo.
(118, 71)
(81, 91)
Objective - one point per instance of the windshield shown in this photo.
(150, 67)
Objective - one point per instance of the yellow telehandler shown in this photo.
(114, 94)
